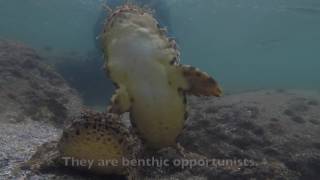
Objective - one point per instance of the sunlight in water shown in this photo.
(249, 44)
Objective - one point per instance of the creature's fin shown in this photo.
(188, 154)
(199, 83)
(120, 101)
(45, 157)
(107, 8)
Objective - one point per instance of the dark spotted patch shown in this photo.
(211, 110)
(276, 128)
(211, 80)
(107, 71)
(297, 135)
(109, 116)
(180, 90)
(111, 23)
(274, 119)
(249, 125)
(204, 123)
(253, 112)
(314, 121)
(170, 39)
(191, 68)
(313, 103)
(271, 151)
(300, 106)
(133, 123)
(316, 145)
(280, 90)
(173, 61)
(116, 85)
(186, 114)
(298, 119)
(259, 131)
(184, 98)
(66, 135)
(186, 73)
(94, 132)
(288, 112)
(116, 130)
(116, 101)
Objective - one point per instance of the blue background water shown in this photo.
(244, 44)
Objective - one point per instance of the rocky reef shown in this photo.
(276, 131)
(35, 102)
(30, 89)
(279, 128)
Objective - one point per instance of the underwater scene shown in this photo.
(160, 89)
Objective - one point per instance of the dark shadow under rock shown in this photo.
(314, 121)
(298, 119)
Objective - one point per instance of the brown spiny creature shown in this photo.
(99, 139)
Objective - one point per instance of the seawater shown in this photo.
(245, 45)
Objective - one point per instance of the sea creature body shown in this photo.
(98, 139)
(151, 83)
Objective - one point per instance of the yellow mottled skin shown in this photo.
(95, 150)
(151, 85)
(100, 140)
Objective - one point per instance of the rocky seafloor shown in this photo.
(277, 130)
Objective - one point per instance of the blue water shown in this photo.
(244, 44)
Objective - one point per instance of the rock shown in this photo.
(35, 103)
(30, 89)
(251, 128)
(3, 160)
(277, 127)
(18, 141)
(253, 135)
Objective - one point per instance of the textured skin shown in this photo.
(144, 64)
(93, 137)
(99, 136)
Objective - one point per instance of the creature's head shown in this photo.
(130, 15)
